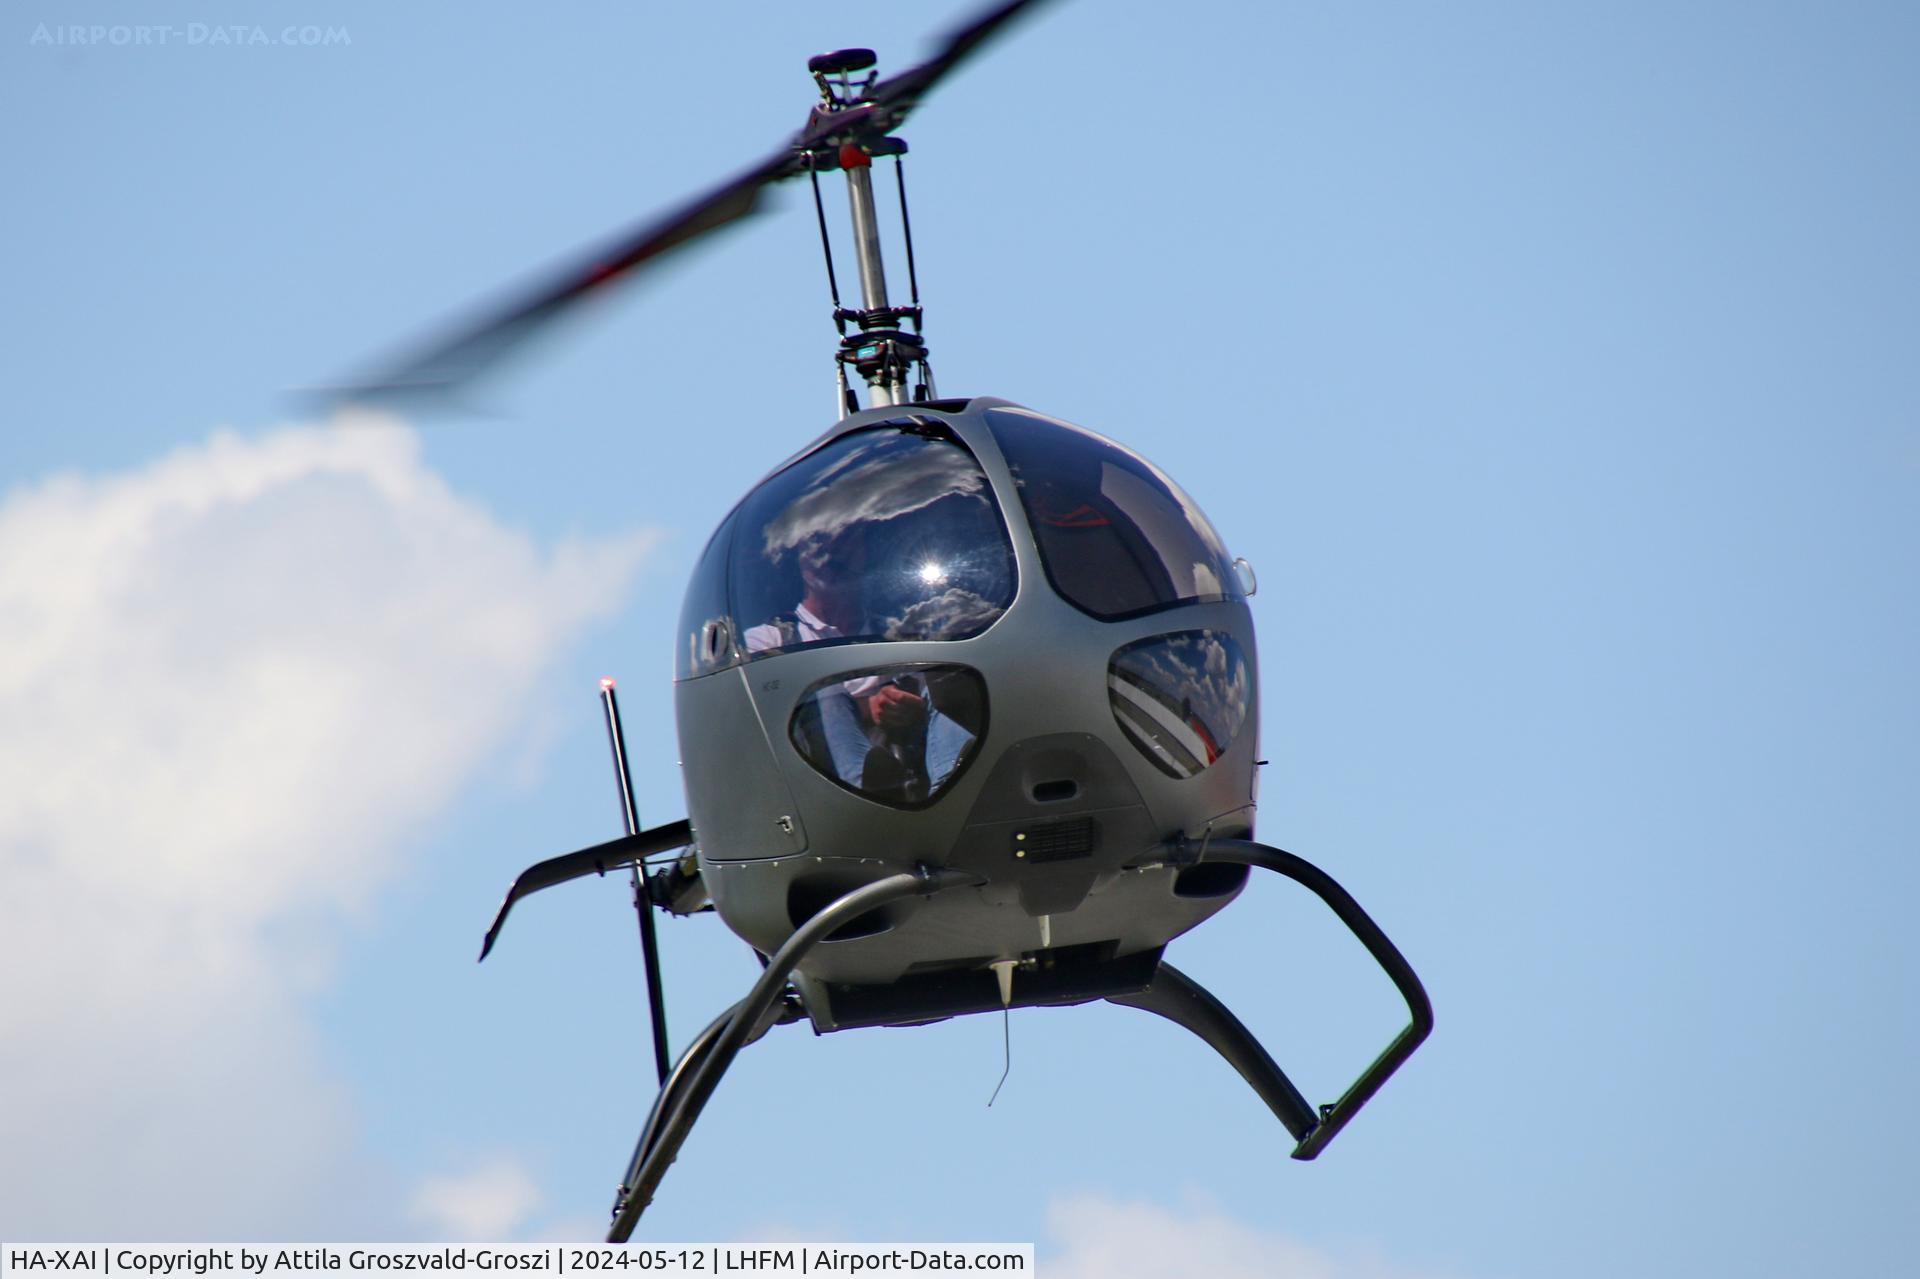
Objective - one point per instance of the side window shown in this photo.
(1181, 698)
(1117, 536)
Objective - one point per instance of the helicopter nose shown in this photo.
(1057, 811)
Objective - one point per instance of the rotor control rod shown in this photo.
(881, 351)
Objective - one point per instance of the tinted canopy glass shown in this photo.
(899, 735)
(1180, 698)
(706, 631)
(1116, 535)
(880, 535)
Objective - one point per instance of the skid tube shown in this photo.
(1179, 999)
(699, 1070)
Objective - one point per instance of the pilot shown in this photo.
(882, 732)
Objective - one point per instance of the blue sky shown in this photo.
(1552, 364)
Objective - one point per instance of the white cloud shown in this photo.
(1097, 1238)
(230, 683)
(489, 1202)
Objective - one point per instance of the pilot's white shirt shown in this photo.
(809, 628)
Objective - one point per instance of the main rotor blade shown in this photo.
(897, 95)
(446, 364)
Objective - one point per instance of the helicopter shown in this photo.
(966, 694)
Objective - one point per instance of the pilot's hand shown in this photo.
(894, 707)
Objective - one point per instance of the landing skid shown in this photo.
(1170, 994)
(699, 1069)
(1179, 999)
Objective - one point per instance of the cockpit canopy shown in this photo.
(895, 533)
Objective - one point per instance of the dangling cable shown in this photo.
(1003, 974)
(1006, 1048)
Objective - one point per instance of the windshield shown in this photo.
(880, 535)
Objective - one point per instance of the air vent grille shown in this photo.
(1057, 841)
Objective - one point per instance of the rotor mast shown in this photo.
(879, 348)
(866, 234)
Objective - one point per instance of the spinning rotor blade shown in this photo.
(897, 95)
(445, 365)
(449, 363)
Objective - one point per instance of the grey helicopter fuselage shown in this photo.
(1076, 662)
(966, 695)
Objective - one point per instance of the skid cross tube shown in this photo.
(1185, 1002)
(1207, 1022)
(675, 1083)
(671, 1090)
(669, 1134)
